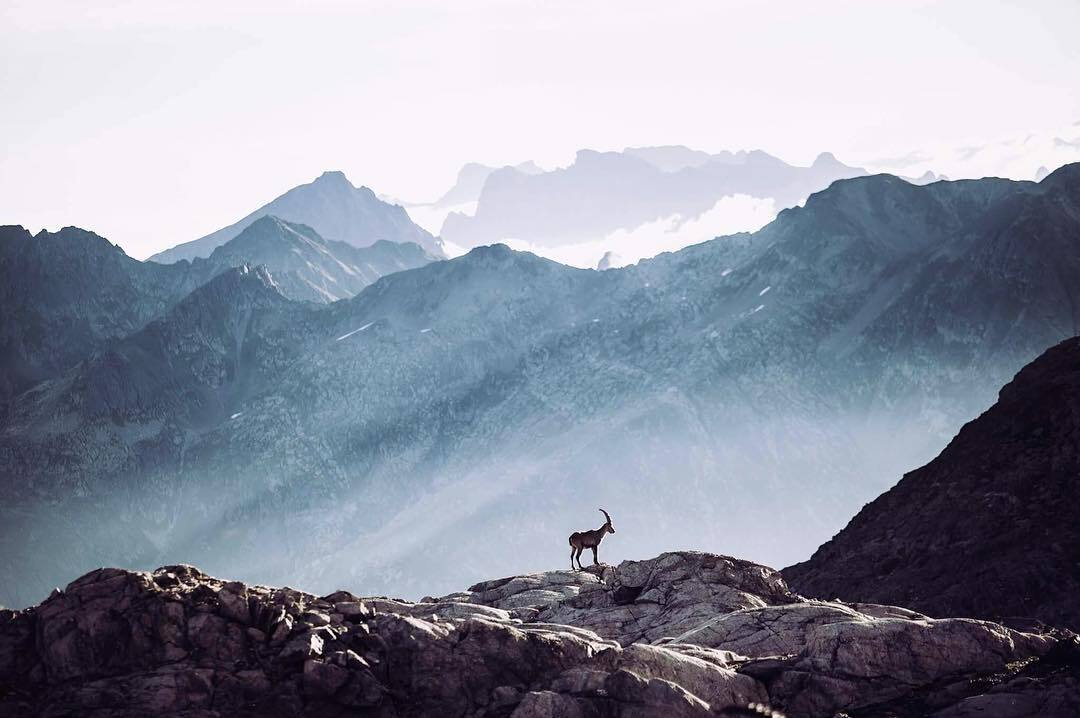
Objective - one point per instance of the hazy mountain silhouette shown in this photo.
(605, 191)
(470, 181)
(330, 205)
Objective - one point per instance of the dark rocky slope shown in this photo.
(989, 528)
(684, 634)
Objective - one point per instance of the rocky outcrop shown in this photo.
(641, 600)
(990, 528)
(178, 642)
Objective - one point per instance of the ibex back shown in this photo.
(581, 540)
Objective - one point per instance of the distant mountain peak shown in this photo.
(491, 251)
(827, 159)
(330, 205)
(336, 176)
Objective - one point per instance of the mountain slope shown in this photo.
(67, 294)
(306, 266)
(748, 393)
(989, 528)
(330, 205)
(64, 294)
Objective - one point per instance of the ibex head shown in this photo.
(608, 527)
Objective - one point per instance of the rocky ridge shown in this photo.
(683, 634)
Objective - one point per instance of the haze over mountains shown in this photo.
(330, 205)
(747, 395)
(605, 191)
(635, 203)
(989, 528)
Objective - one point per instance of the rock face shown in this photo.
(330, 205)
(990, 528)
(177, 642)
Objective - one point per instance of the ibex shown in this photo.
(581, 540)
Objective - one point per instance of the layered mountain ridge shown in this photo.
(68, 294)
(748, 393)
(601, 192)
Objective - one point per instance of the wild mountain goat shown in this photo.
(581, 540)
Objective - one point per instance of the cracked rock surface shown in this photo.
(683, 634)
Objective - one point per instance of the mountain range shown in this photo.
(333, 207)
(66, 295)
(470, 182)
(601, 192)
(745, 394)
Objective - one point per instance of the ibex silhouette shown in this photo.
(581, 540)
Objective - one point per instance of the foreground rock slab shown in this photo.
(684, 634)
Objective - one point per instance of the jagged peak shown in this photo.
(248, 278)
(14, 232)
(274, 223)
(70, 239)
(335, 177)
(827, 159)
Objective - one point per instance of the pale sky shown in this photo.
(155, 123)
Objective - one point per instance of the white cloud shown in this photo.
(730, 214)
(1017, 156)
(431, 217)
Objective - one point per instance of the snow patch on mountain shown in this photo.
(354, 331)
